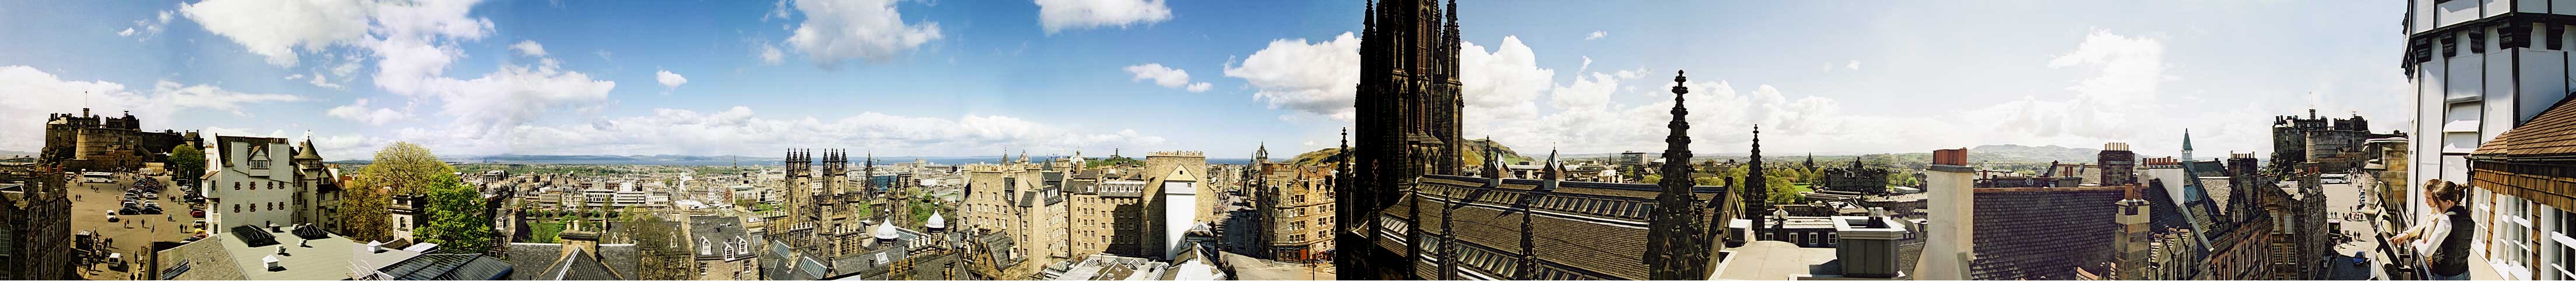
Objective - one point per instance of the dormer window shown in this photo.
(258, 159)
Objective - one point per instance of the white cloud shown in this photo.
(1596, 34)
(670, 81)
(1501, 84)
(276, 29)
(412, 44)
(770, 55)
(363, 114)
(2122, 90)
(1854, 65)
(318, 81)
(1166, 77)
(836, 30)
(529, 48)
(738, 131)
(1060, 15)
(145, 29)
(32, 94)
(1317, 78)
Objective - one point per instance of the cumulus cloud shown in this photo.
(670, 81)
(1166, 77)
(1596, 34)
(1060, 15)
(1854, 65)
(529, 48)
(1317, 78)
(1501, 84)
(738, 130)
(34, 93)
(371, 116)
(871, 30)
(2125, 72)
(278, 29)
(412, 44)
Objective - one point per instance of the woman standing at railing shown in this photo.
(2448, 257)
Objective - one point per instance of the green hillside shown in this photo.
(1475, 154)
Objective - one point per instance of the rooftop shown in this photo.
(230, 257)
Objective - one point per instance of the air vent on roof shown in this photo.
(253, 237)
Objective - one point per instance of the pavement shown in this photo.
(133, 234)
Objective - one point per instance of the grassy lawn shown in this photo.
(1800, 188)
(544, 232)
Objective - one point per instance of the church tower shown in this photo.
(1407, 118)
(1675, 250)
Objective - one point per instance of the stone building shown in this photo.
(1869, 180)
(35, 223)
(1406, 120)
(261, 182)
(2334, 145)
(2301, 238)
(98, 143)
(1444, 226)
(1296, 211)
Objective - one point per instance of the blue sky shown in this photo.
(956, 78)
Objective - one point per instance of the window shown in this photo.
(236, 185)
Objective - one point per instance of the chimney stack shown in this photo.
(1950, 241)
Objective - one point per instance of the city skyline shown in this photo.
(1008, 76)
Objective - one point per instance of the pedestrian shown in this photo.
(2446, 252)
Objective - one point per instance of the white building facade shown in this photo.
(266, 181)
(2480, 67)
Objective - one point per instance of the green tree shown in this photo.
(1783, 191)
(400, 168)
(457, 217)
(186, 164)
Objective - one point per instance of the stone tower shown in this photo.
(1406, 110)
(1675, 250)
(1757, 191)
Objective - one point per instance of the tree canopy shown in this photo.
(400, 168)
(186, 164)
(457, 217)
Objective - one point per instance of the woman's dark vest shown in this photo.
(2453, 258)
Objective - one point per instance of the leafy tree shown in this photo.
(186, 164)
(457, 217)
(1783, 191)
(400, 168)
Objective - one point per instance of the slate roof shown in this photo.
(2219, 192)
(450, 267)
(720, 233)
(1565, 235)
(2551, 133)
(621, 258)
(532, 260)
(2075, 224)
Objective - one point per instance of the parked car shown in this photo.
(196, 213)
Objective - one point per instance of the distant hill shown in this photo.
(2005, 153)
(1475, 154)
